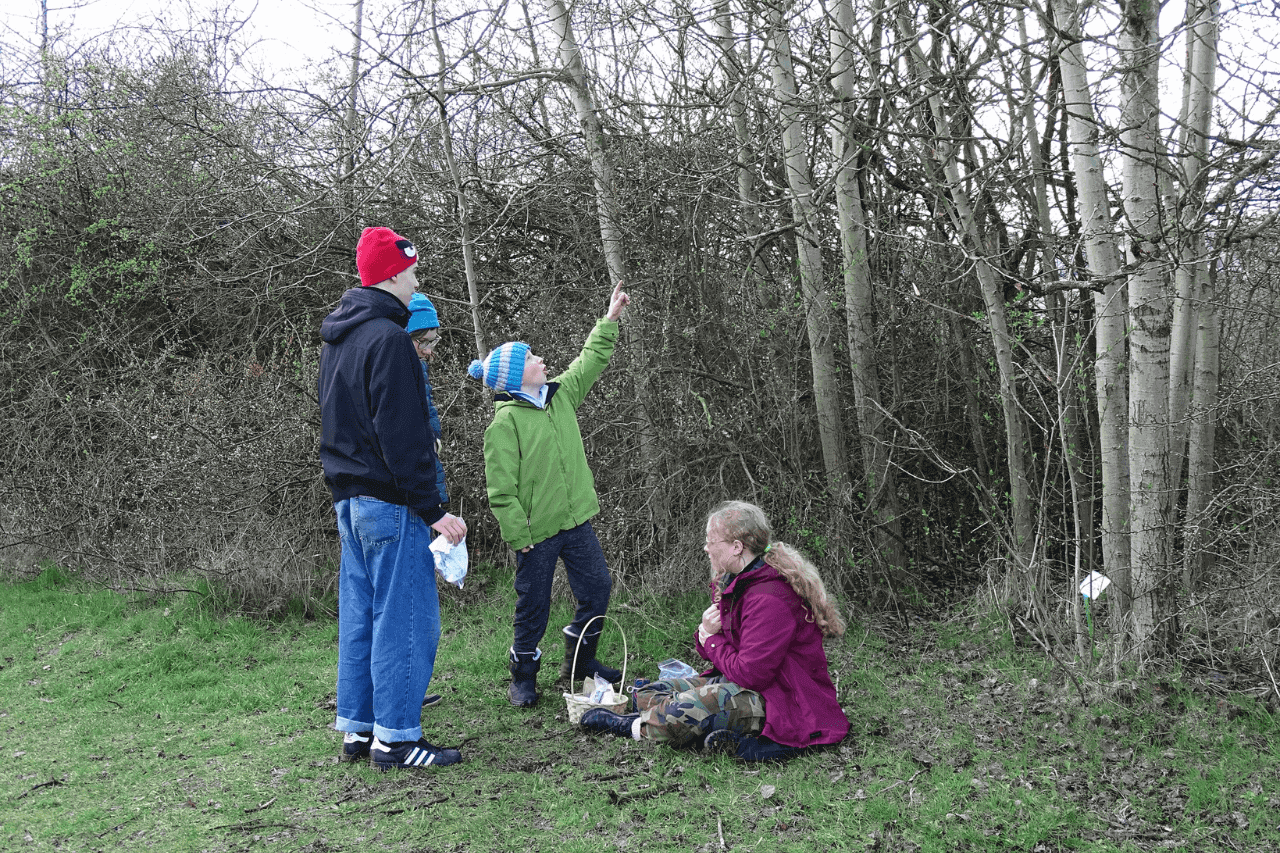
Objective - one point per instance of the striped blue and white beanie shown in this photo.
(502, 369)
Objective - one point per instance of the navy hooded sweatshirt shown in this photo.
(375, 439)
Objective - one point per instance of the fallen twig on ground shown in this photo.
(49, 784)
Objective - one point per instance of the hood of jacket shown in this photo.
(359, 305)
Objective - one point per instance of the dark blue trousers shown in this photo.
(588, 577)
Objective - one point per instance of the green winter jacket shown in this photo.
(535, 466)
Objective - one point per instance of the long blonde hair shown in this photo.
(747, 523)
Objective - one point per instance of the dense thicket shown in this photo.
(170, 240)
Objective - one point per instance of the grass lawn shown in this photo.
(142, 723)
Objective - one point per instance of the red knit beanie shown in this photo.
(381, 253)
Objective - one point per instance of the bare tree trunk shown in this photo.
(460, 193)
(593, 137)
(819, 320)
(1197, 99)
(1195, 302)
(611, 237)
(347, 176)
(960, 209)
(882, 485)
(1200, 455)
(1070, 423)
(730, 62)
(1151, 496)
(1110, 307)
(44, 31)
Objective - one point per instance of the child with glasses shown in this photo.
(424, 329)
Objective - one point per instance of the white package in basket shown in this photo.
(599, 692)
(451, 560)
(596, 693)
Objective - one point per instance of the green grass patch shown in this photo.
(155, 723)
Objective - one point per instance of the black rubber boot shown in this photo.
(588, 666)
(523, 692)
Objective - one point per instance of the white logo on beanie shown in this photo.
(406, 248)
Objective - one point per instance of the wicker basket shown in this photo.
(576, 703)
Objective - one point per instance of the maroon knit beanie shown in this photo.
(381, 253)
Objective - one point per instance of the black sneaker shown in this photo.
(749, 748)
(411, 753)
(606, 722)
(355, 745)
(431, 699)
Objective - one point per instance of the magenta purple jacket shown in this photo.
(768, 643)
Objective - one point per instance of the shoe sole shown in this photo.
(385, 768)
(721, 743)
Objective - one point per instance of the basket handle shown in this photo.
(578, 647)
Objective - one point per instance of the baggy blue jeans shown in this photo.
(588, 575)
(388, 619)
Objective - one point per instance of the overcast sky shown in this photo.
(285, 34)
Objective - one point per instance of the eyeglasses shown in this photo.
(711, 542)
(426, 343)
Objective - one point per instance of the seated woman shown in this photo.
(768, 694)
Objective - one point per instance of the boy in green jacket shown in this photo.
(543, 495)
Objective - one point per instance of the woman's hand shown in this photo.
(710, 622)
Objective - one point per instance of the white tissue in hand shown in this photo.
(451, 560)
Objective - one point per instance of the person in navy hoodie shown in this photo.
(768, 694)
(379, 460)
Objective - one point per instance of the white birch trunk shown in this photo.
(1151, 493)
(347, 174)
(1110, 307)
(611, 237)
(1200, 452)
(1070, 424)
(1195, 396)
(730, 62)
(1197, 100)
(593, 136)
(882, 486)
(817, 299)
(460, 193)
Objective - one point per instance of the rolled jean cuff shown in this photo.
(387, 735)
(345, 725)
